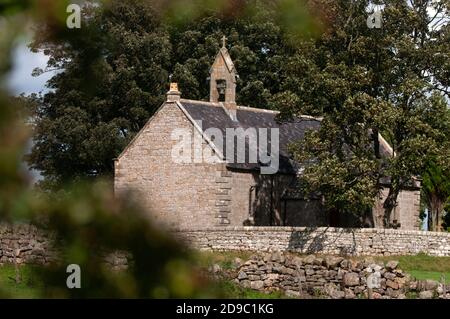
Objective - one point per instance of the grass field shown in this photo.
(420, 266)
(434, 275)
(233, 291)
(424, 267)
(29, 286)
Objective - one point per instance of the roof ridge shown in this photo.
(317, 118)
(257, 109)
(249, 108)
(200, 102)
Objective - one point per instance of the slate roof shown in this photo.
(212, 115)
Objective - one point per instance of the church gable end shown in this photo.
(175, 194)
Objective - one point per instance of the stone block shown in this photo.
(351, 279)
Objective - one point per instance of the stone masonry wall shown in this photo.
(191, 195)
(331, 277)
(240, 204)
(406, 213)
(326, 240)
(25, 243)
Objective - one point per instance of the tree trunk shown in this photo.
(389, 205)
(435, 212)
(433, 219)
(429, 220)
(439, 213)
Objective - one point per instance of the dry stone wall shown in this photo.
(25, 243)
(332, 277)
(326, 240)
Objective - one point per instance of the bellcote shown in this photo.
(223, 78)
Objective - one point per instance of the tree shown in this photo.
(436, 192)
(114, 72)
(87, 218)
(436, 177)
(113, 76)
(364, 82)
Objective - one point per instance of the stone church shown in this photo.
(199, 194)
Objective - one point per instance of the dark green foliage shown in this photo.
(113, 77)
(115, 71)
(363, 81)
(369, 81)
(436, 193)
(86, 219)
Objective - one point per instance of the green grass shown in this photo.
(423, 267)
(224, 259)
(29, 286)
(231, 290)
(422, 262)
(433, 275)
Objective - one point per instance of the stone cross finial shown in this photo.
(224, 41)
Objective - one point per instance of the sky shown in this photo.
(19, 79)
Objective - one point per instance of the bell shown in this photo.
(221, 87)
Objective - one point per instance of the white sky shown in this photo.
(19, 79)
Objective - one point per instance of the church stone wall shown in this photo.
(307, 213)
(260, 196)
(220, 71)
(409, 209)
(175, 194)
(242, 199)
(406, 213)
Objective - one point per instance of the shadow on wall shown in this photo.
(313, 240)
(269, 206)
(274, 200)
